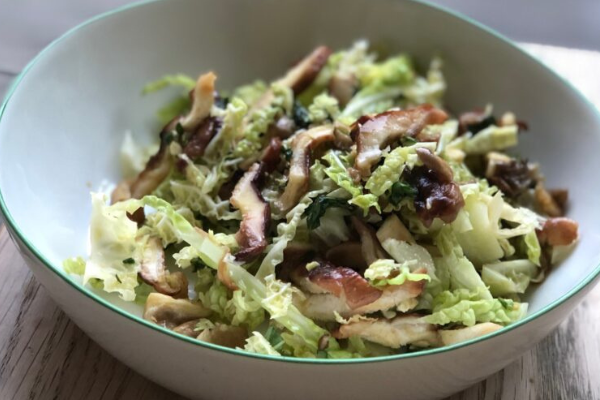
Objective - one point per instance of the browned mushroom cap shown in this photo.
(322, 307)
(169, 312)
(122, 191)
(256, 215)
(298, 78)
(223, 274)
(349, 254)
(435, 163)
(304, 73)
(187, 328)
(474, 121)
(453, 336)
(154, 272)
(561, 197)
(545, 202)
(201, 137)
(437, 195)
(394, 333)
(342, 282)
(271, 155)
(225, 335)
(298, 177)
(283, 128)
(559, 232)
(371, 248)
(372, 133)
(295, 256)
(511, 176)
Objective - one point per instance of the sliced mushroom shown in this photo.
(202, 101)
(201, 137)
(225, 335)
(394, 333)
(373, 133)
(122, 191)
(511, 176)
(322, 302)
(435, 163)
(283, 128)
(475, 121)
(157, 168)
(154, 272)
(271, 155)
(349, 254)
(298, 78)
(561, 197)
(304, 73)
(159, 165)
(453, 336)
(256, 215)
(298, 177)
(169, 312)
(187, 328)
(438, 196)
(545, 202)
(371, 248)
(559, 232)
(342, 282)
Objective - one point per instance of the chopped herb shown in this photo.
(319, 206)
(197, 264)
(274, 337)
(168, 137)
(221, 102)
(481, 125)
(129, 261)
(179, 129)
(119, 280)
(401, 190)
(287, 153)
(506, 303)
(300, 116)
(408, 141)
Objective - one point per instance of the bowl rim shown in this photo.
(20, 236)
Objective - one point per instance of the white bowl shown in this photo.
(63, 121)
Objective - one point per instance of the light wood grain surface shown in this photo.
(43, 355)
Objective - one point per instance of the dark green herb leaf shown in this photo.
(168, 138)
(400, 190)
(506, 303)
(300, 116)
(319, 206)
(119, 280)
(274, 337)
(129, 261)
(408, 141)
(179, 129)
(197, 264)
(481, 125)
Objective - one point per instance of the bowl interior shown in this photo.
(62, 127)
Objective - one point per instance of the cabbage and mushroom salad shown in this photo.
(339, 211)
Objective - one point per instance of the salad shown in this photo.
(340, 211)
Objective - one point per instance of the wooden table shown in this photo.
(43, 355)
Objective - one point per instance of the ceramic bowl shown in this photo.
(64, 119)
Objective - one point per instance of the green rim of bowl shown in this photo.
(58, 270)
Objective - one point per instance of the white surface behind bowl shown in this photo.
(62, 128)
